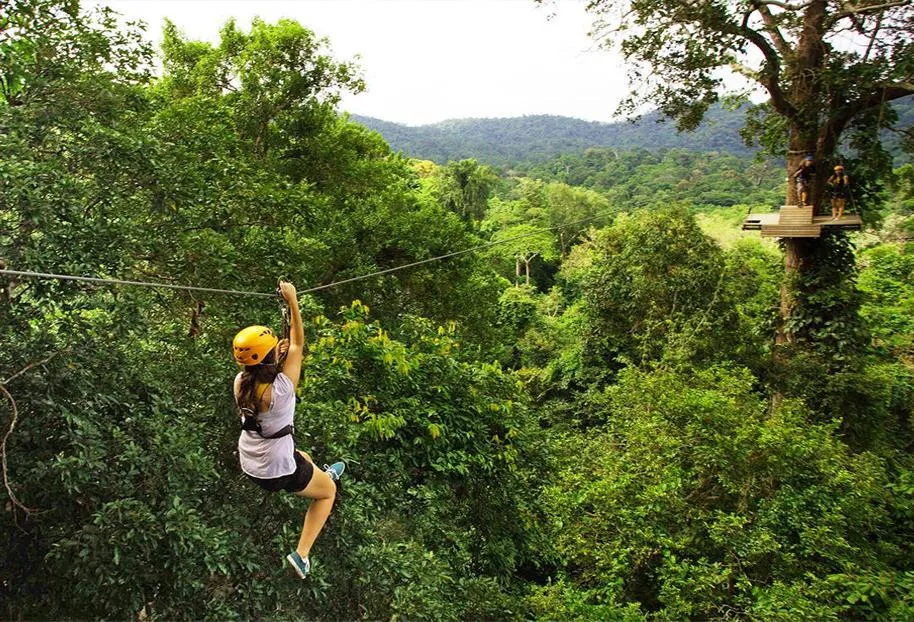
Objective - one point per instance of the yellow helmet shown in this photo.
(252, 344)
(838, 167)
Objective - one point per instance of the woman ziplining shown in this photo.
(265, 395)
(265, 389)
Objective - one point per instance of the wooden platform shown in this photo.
(797, 222)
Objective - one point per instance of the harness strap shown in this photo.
(251, 424)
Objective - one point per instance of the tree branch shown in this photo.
(869, 47)
(770, 74)
(771, 26)
(785, 5)
(6, 481)
(28, 367)
(865, 10)
(875, 98)
(904, 131)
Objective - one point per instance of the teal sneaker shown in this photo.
(335, 470)
(301, 566)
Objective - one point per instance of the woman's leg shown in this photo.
(322, 491)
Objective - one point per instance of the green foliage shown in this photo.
(898, 224)
(276, 78)
(833, 364)
(572, 210)
(654, 292)
(819, 94)
(534, 224)
(537, 140)
(524, 243)
(147, 510)
(693, 499)
(563, 601)
(678, 55)
(123, 474)
(887, 282)
(824, 313)
(639, 176)
(724, 225)
(754, 273)
(125, 438)
(638, 451)
(438, 423)
(464, 187)
(904, 184)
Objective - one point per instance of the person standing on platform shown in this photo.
(803, 176)
(839, 184)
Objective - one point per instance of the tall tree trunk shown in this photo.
(797, 251)
(517, 271)
(805, 95)
(260, 140)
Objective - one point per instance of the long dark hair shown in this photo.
(265, 373)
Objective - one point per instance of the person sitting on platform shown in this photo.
(839, 184)
(803, 176)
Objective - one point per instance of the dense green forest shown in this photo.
(587, 418)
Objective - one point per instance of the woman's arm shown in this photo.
(292, 367)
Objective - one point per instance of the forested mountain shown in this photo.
(541, 137)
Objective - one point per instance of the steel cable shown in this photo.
(112, 281)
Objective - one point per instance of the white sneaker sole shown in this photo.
(291, 560)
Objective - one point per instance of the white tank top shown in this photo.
(266, 458)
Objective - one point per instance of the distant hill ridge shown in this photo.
(505, 141)
(540, 138)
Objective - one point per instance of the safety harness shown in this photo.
(251, 424)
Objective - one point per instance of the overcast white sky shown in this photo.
(429, 60)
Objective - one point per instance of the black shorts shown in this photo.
(294, 482)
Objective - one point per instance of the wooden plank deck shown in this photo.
(797, 222)
(754, 222)
(791, 231)
(847, 221)
(792, 215)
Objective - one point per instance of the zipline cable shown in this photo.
(596, 216)
(448, 255)
(68, 277)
